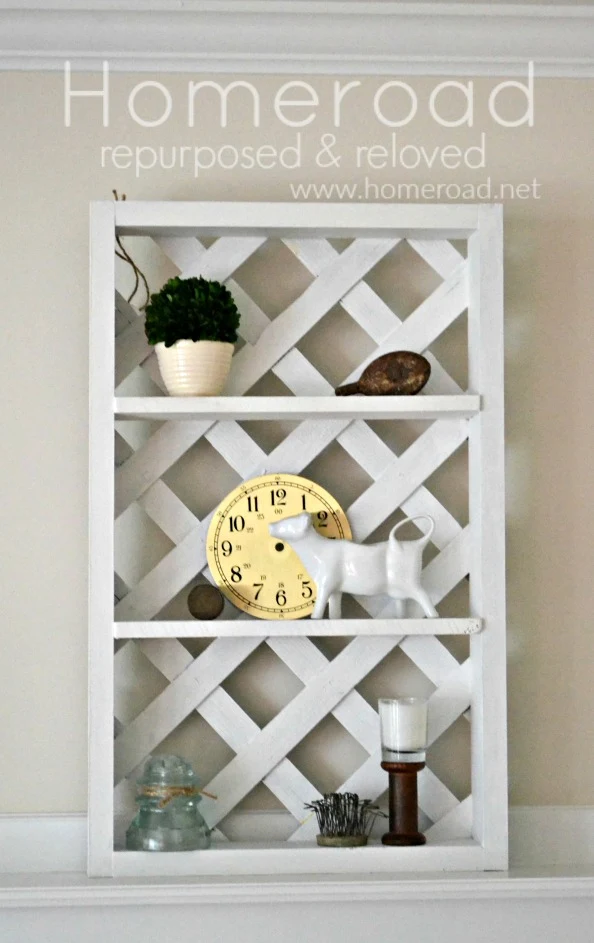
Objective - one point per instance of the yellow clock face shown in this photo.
(258, 573)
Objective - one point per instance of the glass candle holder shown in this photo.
(403, 729)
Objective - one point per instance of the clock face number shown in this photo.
(279, 588)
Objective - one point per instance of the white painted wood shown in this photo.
(101, 566)
(294, 722)
(285, 781)
(182, 563)
(296, 407)
(299, 627)
(360, 719)
(125, 314)
(132, 347)
(308, 38)
(168, 512)
(449, 701)
(435, 799)
(152, 460)
(397, 482)
(185, 252)
(432, 658)
(441, 255)
(169, 577)
(463, 854)
(237, 447)
(223, 257)
(455, 824)
(430, 319)
(419, 461)
(297, 220)
(306, 661)
(368, 309)
(287, 329)
(174, 704)
(179, 566)
(557, 841)
(487, 514)
(367, 448)
(528, 905)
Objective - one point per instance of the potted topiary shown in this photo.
(192, 323)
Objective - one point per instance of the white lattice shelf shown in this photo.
(244, 628)
(154, 489)
(297, 407)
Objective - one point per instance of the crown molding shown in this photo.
(302, 37)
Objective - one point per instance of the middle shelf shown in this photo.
(250, 628)
(461, 406)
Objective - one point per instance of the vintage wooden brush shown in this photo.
(399, 373)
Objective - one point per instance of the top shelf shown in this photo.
(297, 407)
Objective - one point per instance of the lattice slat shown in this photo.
(289, 327)
(295, 721)
(427, 322)
(232, 724)
(368, 309)
(419, 461)
(154, 458)
(178, 700)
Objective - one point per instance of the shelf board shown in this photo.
(296, 220)
(296, 407)
(301, 858)
(250, 628)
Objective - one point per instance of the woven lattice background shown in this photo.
(270, 724)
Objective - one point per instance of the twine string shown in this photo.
(167, 793)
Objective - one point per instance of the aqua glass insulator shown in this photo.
(167, 795)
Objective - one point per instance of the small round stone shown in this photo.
(205, 602)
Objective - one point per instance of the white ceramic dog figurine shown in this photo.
(392, 568)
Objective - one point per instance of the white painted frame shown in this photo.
(478, 414)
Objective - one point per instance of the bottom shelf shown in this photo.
(301, 858)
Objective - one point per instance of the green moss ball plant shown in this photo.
(192, 323)
(193, 309)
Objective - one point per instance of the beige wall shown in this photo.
(48, 175)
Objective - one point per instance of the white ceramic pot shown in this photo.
(195, 368)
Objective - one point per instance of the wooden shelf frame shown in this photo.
(302, 858)
(476, 416)
(243, 408)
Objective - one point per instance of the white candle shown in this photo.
(403, 724)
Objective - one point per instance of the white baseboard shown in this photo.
(43, 843)
(298, 37)
(540, 837)
(551, 836)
